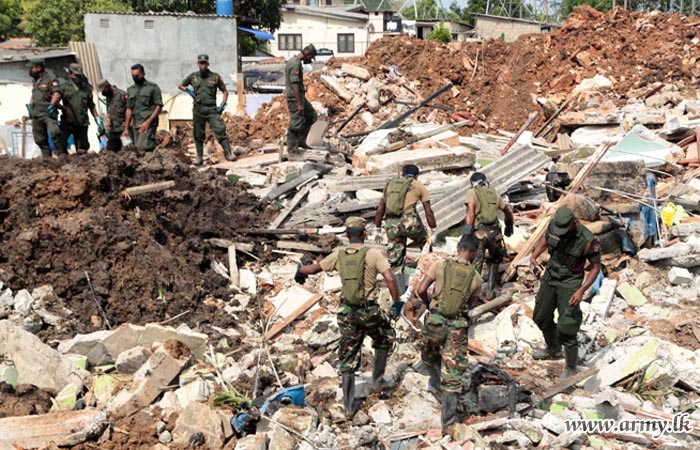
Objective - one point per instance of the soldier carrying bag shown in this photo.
(488, 199)
(351, 265)
(395, 192)
(457, 280)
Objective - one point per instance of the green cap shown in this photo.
(203, 58)
(75, 68)
(36, 62)
(561, 221)
(310, 49)
(355, 222)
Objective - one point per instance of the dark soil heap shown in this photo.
(147, 257)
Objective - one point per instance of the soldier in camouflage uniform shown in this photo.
(570, 245)
(403, 223)
(444, 335)
(144, 103)
(204, 84)
(301, 112)
(116, 113)
(360, 317)
(44, 115)
(483, 204)
(76, 96)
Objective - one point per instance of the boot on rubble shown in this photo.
(199, 146)
(571, 358)
(492, 281)
(448, 414)
(227, 149)
(434, 382)
(380, 357)
(553, 350)
(349, 403)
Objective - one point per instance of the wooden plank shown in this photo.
(530, 120)
(481, 349)
(272, 332)
(233, 267)
(284, 188)
(561, 385)
(65, 428)
(146, 188)
(295, 245)
(298, 197)
(225, 243)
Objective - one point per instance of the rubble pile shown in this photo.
(67, 224)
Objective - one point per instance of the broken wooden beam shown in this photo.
(419, 137)
(146, 188)
(480, 310)
(272, 332)
(289, 186)
(553, 116)
(561, 385)
(479, 348)
(225, 243)
(233, 268)
(393, 123)
(338, 89)
(296, 245)
(298, 197)
(530, 120)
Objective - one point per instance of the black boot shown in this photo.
(227, 149)
(380, 357)
(492, 281)
(199, 146)
(349, 403)
(434, 382)
(571, 358)
(553, 350)
(448, 414)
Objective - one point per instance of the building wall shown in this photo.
(17, 71)
(320, 31)
(168, 51)
(493, 28)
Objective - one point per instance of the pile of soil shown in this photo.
(495, 81)
(23, 400)
(147, 258)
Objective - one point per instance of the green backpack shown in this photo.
(395, 196)
(457, 280)
(488, 198)
(351, 265)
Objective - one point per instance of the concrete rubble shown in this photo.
(183, 377)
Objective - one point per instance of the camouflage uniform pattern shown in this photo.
(356, 322)
(491, 241)
(398, 231)
(444, 346)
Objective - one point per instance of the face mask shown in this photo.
(138, 79)
(204, 72)
(33, 74)
(78, 81)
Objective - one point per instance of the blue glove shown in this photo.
(220, 109)
(100, 126)
(300, 277)
(192, 94)
(30, 107)
(468, 230)
(396, 309)
(52, 111)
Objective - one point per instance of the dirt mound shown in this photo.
(23, 400)
(147, 258)
(497, 81)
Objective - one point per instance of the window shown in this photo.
(104, 23)
(149, 24)
(346, 43)
(289, 41)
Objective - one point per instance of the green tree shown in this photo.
(10, 13)
(426, 9)
(441, 34)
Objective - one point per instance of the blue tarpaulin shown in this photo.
(258, 34)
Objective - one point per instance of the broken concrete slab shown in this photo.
(427, 159)
(679, 275)
(105, 387)
(44, 295)
(198, 390)
(631, 294)
(65, 429)
(200, 418)
(253, 442)
(32, 358)
(166, 363)
(23, 302)
(380, 414)
(299, 420)
(129, 361)
(629, 363)
(323, 371)
(66, 399)
(288, 300)
(128, 336)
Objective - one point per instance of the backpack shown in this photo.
(457, 280)
(395, 193)
(488, 198)
(351, 265)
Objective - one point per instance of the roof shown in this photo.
(515, 19)
(189, 14)
(378, 5)
(25, 54)
(333, 12)
(16, 44)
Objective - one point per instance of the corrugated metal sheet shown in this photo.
(87, 56)
(164, 13)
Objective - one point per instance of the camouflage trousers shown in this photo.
(398, 231)
(444, 347)
(356, 322)
(491, 241)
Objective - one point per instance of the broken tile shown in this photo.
(631, 294)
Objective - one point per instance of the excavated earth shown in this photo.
(147, 258)
(498, 82)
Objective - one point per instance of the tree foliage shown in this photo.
(441, 34)
(10, 12)
(425, 9)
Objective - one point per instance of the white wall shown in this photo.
(320, 31)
